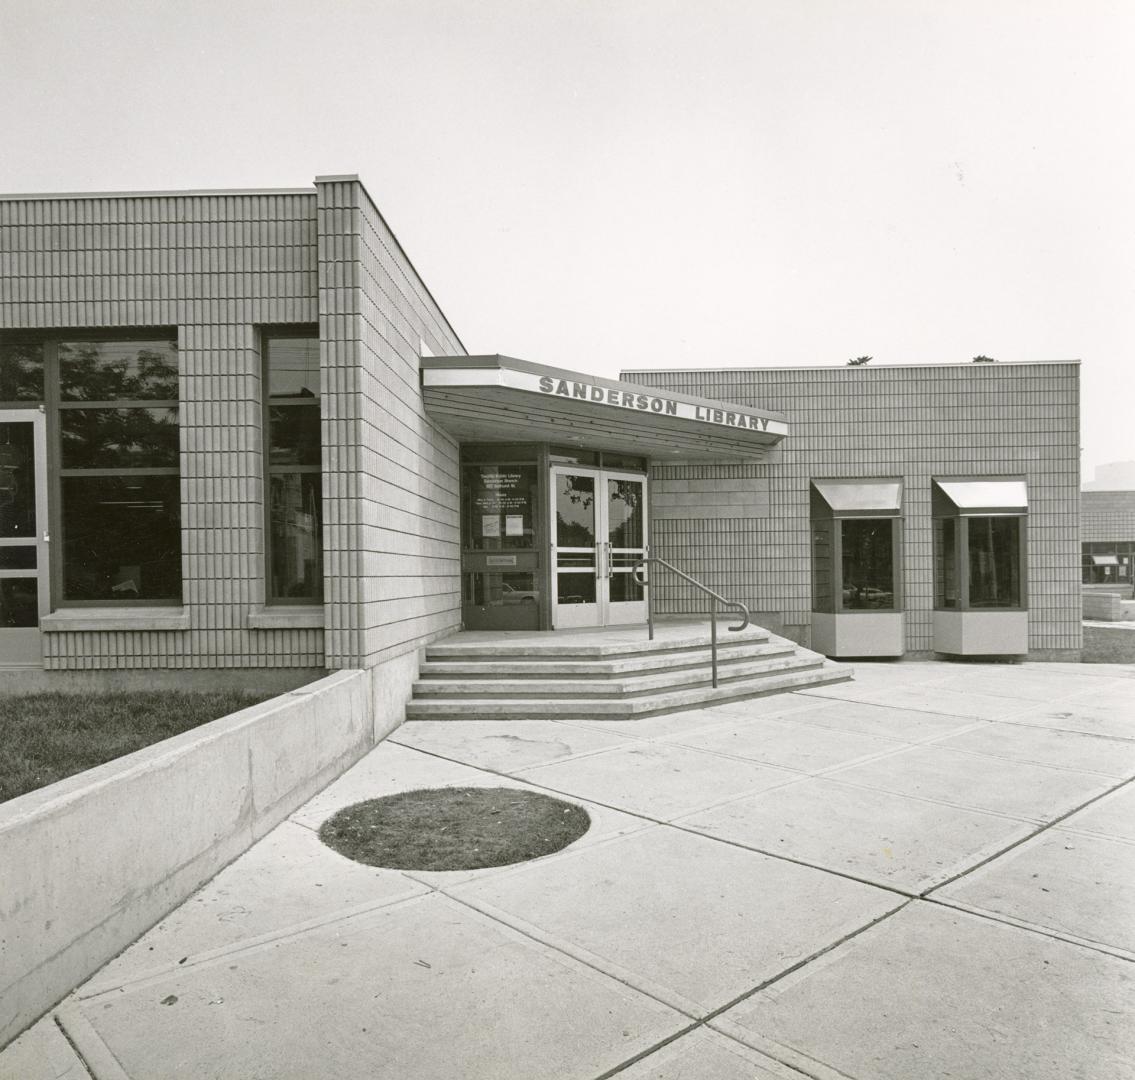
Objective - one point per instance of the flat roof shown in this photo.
(223, 192)
(841, 367)
(181, 194)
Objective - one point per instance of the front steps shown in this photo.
(614, 675)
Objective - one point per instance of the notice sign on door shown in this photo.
(500, 501)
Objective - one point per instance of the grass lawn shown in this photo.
(46, 737)
(1107, 645)
(454, 828)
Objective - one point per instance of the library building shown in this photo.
(238, 432)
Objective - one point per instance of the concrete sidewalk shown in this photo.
(926, 873)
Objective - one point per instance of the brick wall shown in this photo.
(913, 422)
(217, 267)
(393, 518)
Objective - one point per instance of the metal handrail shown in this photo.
(716, 599)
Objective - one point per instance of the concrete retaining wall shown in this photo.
(88, 864)
(1105, 606)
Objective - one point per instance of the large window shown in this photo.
(855, 537)
(112, 405)
(293, 451)
(979, 544)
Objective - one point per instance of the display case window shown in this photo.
(855, 531)
(979, 544)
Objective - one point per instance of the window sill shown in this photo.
(286, 618)
(138, 618)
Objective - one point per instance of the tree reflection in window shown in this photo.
(624, 513)
(119, 471)
(575, 510)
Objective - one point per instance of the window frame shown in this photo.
(943, 508)
(309, 332)
(821, 511)
(53, 406)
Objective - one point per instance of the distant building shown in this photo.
(1116, 476)
(1107, 526)
(237, 431)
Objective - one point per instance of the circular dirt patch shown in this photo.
(454, 828)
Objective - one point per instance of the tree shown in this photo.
(859, 361)
(984, 360)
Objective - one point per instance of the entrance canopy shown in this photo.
(497, 398)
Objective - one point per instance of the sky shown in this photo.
(606, 185)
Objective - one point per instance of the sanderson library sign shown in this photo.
(628, 399)
(491, 398)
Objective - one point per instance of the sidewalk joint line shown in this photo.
(1033, 928)
(1044, 827)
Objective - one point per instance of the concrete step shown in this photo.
(614, 685)
(533, 667)
(821, 673)
(562, 647)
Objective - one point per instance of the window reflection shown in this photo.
(868, 564)
(118, 371)
(19, 602)
(17, 480)
(122, 538)
(624, 513)
(121, 533)
(295, 459)
(945, 563)
(296, 536)
(119, 438)
(994, 562)
(575, 510)
(21, 372)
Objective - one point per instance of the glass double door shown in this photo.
(598, 532)
(23, 535)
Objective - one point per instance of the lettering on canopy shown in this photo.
(639, 402)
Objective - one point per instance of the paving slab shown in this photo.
(658, 781)
(892, 840)
(1006, 681)
(885, 721)
(387, 769)
(287, 879)
(427, 989)
(1043, 746)
(900, 673)
(689, 920)
(804, 748)
(1118, 690)
(1099, 719)
(504, 745)
(1117, 694)
(979, 782)
(937, 994)
(1113, 815)
(708, 1055)
(654, 727)
(1080, 887)
(932, 699)
(41, 1053)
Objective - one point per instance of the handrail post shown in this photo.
(649, 601)
(713, 638)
